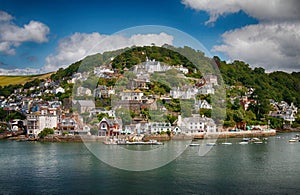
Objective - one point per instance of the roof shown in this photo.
(86, 103)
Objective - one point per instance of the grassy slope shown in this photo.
(13, 80)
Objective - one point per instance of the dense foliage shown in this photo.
(45, 132)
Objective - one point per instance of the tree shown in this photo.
(101, 116)
(45, 132)
(125, 115)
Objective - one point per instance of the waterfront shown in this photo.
(68, 168)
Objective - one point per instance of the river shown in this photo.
(70, 168)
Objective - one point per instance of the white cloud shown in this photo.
(79, 45)
(271, 10)
(274, 46)
(273, 43)
(11, 35)
(5, 16)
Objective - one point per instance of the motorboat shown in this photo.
(194, 144)
(211, 144)
(226, 143)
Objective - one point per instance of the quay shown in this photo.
(236, 134)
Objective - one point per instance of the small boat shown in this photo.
(258, 142)
(243, 143)
(194, 144)
(226, 143)
(211, 144)
(293, 140)
(245, 139)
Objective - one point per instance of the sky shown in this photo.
(42, 36)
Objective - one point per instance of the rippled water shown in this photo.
(70, 168)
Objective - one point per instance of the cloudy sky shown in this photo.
(45, 35)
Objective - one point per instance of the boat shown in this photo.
(245, 139)
(258, 142)
(293, 140)
(243, 143)
(194, 144)
(226, 143)
(211, 144)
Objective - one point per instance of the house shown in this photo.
(84, 105)
(199, 104)
(186, 92)
(96, 111)
(132, 95)
(103, 91)
(101, 71)
(196, 124)
(182, 69)
(158, 127)
(206, 89)
(59, 90)
(82, 91)
(109, 127)
(36, 122)
(284, 110)
(211, 79)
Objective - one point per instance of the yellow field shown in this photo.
(13, 80)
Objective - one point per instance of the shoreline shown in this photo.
(92, 138)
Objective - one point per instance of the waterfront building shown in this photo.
(109, 127)
(158, 127)
(45, 118)
(196, 124)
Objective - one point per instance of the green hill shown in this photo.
(21, 80)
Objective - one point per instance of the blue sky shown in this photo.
(46, 35)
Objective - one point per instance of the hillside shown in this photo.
(16, 80)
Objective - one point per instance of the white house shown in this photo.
(183, 92)
(155, 127)
(36, 123)
(199, 104)
(206, 89)
(101, 70)
(196, 124)
(132, 95)
(59, 90)
(182, 69)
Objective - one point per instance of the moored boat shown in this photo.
(194, 144)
